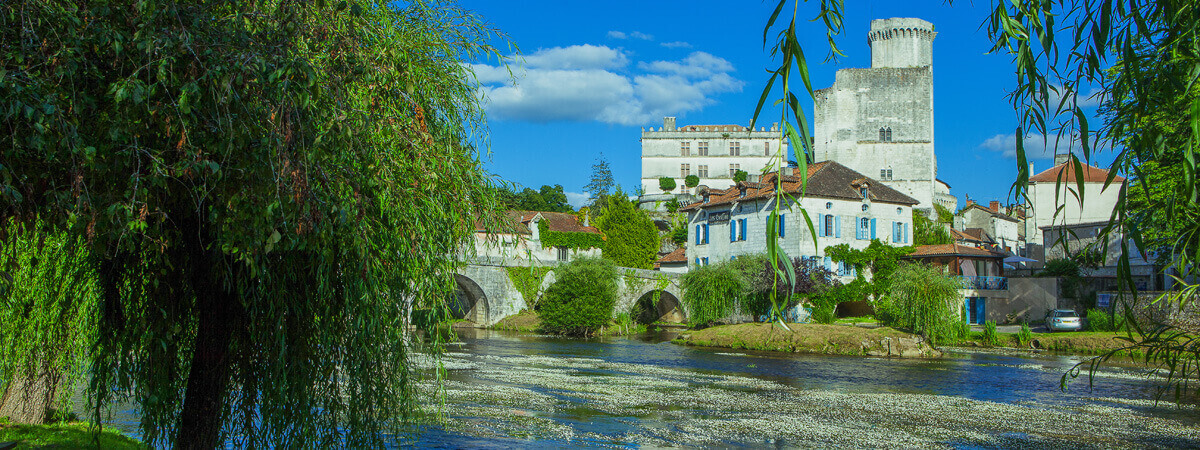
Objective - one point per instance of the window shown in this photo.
(865, 208)
(767, 148)
(866, 194)
(864, 228)
(702, 234)
(882, 135)
(828, 225)
(735, 148)
(885, 134)
(780, 230)
(702, 149)
(704, 260)
(741, 229)
(889, 135)
(889, 174)
(685, 149)
(885, 174)
(685, 170)
(703, 172)
(733, 168)
(899, 211)
(562, 253)
(828, 205)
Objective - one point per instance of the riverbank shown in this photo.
(1076, 342)
(812, 339)
(64, 435)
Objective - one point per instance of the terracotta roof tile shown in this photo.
(518, 222)
(677, 256)
(925, 251)
(1091, 174)
(826, 179)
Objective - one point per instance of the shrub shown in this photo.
(740, 175)
(712, 293)
(989, 333)
(581, 299)
(631, 238)
(691, 181)
(667, 184)
(1098, 320)
(673, 205)
(1025, 335)
(922, 299)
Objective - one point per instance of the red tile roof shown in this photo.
(518, 222)
(826, 179)
(926, 251)
(677, 256)
(1090, 174)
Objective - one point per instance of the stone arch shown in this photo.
(471, 302)
(668, 309)
(547, 280)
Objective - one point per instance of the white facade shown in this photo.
(1047, 197)
(1004, 229)
(879, 121)
(891, 223)
(523, 247)
(711, 152)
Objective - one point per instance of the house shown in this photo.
(674, 262)
(845, 207)
(519, 239)
(713, 153)
(1054, 198)
(980, 271)
(1071, 241)
(1002, 230)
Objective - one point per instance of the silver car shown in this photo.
(1063, 320)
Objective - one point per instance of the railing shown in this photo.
(989, 283)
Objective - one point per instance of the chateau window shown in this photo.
(885, 174)
(865, 193)
(685, 170)
(882, 135)
(889, 174)
(562, 253)
(702, 148)
(733, 168)
(889, 135)
(767, 148)
(685, 149)
(703, 171)
(885, 134)
(735, 148)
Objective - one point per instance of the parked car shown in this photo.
(1063, 320)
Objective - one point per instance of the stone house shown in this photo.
(1001, 228)
(518, 241)
(845, 208)
(674, 262)
(711, 152)
(1063, 241)
(1056, 188)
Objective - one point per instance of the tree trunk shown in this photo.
(208, 380)
(29, 399)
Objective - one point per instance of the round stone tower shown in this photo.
(901, 42)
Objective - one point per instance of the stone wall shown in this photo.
(1029, 298)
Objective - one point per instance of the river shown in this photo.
(509, 390)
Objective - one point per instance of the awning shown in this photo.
(1018, 259)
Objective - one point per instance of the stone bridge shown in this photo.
(487, 294)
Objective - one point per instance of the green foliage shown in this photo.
(691, 181)
(581, 300)
(927, 232)
(66, 435)
(631, 238)
(1025, 336)
(740, 175)
(944, 216)
(1060, 268)
(825, 306)
(527, 281)
(712, 293)
(667, 184)
(549, 199)
(1100, 320)
(879, 259)
(48, 312)
(602, 181)
(923, 299)
(989, 333)
(673, 205)
(263, 182)
(570, 239)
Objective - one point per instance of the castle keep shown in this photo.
(879, 121)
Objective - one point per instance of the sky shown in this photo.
(586, 77)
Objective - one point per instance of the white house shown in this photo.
(845, 208)
(1055, 202)
(1004, 229)
(519, 241)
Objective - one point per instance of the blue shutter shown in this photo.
(820, 225)
(733, 230)
(872, 228)
(858, 231)
(905, 227)
(706, 233)
(742, 229)
(828, 264)
(837, 226)
(697, 238)
(697, 258)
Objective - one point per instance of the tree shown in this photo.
(631, 239)
(267, 189)
(691, 181)
(923, 299)
(878, 259)
(667, 184)
(555, 200)
(740, 175)
(602, 179)
(927, 232)
(548, 198)
(582, 298)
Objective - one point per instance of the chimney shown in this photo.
(994, 206)
(1031, 169)
(1062, 159)
(970, 202)
(668, 124)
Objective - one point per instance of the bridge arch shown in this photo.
(668, 308)
(471, 301)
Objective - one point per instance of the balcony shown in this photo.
(984, 283)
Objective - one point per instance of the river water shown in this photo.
(510, 390)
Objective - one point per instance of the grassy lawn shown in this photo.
(64, 435)
(854, 320)
(1081, 342)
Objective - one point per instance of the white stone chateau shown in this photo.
(879, 121)
(711, 152)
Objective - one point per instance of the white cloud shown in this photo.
(1092, 99)
(1035, 146)
(578, 199)
(614, 34)
(595, 83)
(676, 44)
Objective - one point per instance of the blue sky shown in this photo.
(594, 73)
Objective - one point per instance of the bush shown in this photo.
(1098, 320)
(630, 236)
(1025, 335)
(712, 293)
(740, 175)
(691, 181)
(924, 300)
(581, 299)
(673, 205)
(667, 184)
(989, 333)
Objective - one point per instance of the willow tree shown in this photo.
(266, 189)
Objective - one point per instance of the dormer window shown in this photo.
(866, 194)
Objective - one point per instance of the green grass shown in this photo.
(854, 320)
(1075, 342)
(64, 435)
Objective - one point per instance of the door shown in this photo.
(976, 310)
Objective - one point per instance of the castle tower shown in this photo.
(901, 42)
(879, 121)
